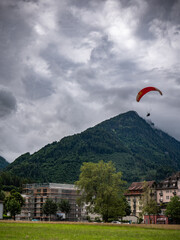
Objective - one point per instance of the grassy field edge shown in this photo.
(157, 226)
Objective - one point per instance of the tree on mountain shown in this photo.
(49, 208)
(101, 190)
(173, 209)
(64, 206)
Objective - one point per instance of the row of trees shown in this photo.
(50, 207)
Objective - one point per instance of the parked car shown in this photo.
(116, 222)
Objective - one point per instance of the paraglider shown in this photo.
(145, 90)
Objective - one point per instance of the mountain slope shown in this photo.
(137, 149)
(3, 163)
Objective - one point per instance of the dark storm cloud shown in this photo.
(7, 103)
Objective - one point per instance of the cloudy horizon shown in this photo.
(68, 65)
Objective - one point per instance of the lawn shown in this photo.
(43, 231)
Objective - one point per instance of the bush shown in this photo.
(97, 219)
(5, 217)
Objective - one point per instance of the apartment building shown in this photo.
(36, 194)
(134, 196)
(168, 188)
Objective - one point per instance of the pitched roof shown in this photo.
(139, 185)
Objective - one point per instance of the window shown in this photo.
(167, 197)
(45, 190)
(167, 191)
(38, 190)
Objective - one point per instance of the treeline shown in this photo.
(9, 182)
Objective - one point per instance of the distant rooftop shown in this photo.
(50, 185)
(175, 176)
(170, 182)
(139, 185)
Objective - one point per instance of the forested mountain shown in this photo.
(3, 163)
(139, 150)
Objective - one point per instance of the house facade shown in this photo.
(168, 188)
(36, 194)
(134, 196)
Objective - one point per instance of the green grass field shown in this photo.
(43, 231)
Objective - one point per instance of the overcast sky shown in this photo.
(66, 65)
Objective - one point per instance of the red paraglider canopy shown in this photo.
(144, 91)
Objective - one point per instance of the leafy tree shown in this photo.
(18, 197)
(101, 189)
(150, 206)
(64, 206)
(173, 209)
(50, 207)
(13, 203)
(13, 206)
(127, 207)
(2, 195)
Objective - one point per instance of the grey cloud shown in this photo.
(71, 26)
(7, 103)
(178, 81)
(166, 11)
(103, 50)
(113, 95)
(37, 87)
(57, 63)
(70, 111)
(14, 35)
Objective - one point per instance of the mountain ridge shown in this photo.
(3, 163)
(139, 150)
